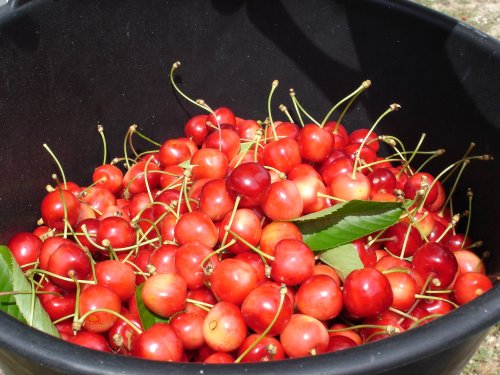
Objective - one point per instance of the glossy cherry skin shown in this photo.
(249, 181)
(225, 140)
(109, 177)
(266, 350)
(163, 259)
(57, 302)
(117, 276)
(382, 180)
(315, 143)
(399, 235)
(471, 285)
(134, 180)
(68, 260)
(232, 280)
(293, 262)
(209, 163)
(215, 200)
(221, 116)
(99, 297)
(337, 343)
(91, 340)
(366, 292)
(261, 306)
(283, 154)
(25, 247)
(320, 297)
(196, 226)
(158, 343)
(117, 231)
(276, 231)
(436, 260)
(224, 328)
(165, 294)
(48, 247)
(173, 152)
(189, 328)
(196, 128)
(283, 201)
(188, 263)
(359, 136)
(52, 208)
(344, 186)
(404, 287)
(122, 333)
(468, 261)
(414, 183)
(304, 336)
(245, 224)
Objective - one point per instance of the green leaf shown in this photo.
(19, 306)
(346, 222)
(185, 164)
(344, 259)
(148, 318)
(245, 146)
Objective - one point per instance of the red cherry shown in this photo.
(250, 182)
(122, 333)
(337, 343)
(188, 263)
(171, 177)
(320, 297)
(366, 292)
(189, 328)
(108, 177)
(304, 336)
(224, 328)
(402, 234)
(95, 297)
(163, 259)
(165, 294)
(173, 152)
(57, 302)
(25, 247)
(53, 212)
(232, 280)
(283, 154)
(261, 306)
(223, 115)
(225, 140)
(266, 350)
(471, 285)
(315, 143)
(345, 187)
(359, 135)
(215, 200)
(67, 260)
(196, 226)
(159, 343)
(293, 262)
(276, 231)
(436, 260)
(139, 174)
(415, 184)
(117, 231)
(209, 163)
(469, 261)
(404, 288)
(382, 180)
(117, 276)
(283, 201)
(245, 224)
(196, 128)
(90, 340)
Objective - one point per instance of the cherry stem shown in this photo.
(470, 195)
(364, 85)
(231, 219)
(77, 299)
(402, 313)
(100, 130)
(297, 105)
(112, 312)
(252, 247)
(184, 191)
(469, 150)
(57, 163)
(146, 138)
(202, 305)
(451, 225)
(283, 291)
(273, 88)
(452, 190)
(284, 109)
(425, 318)
(435, 298)
(392, 108)
(209, 268)
(297, 111)
(125, 154)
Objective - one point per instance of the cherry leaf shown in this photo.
(20, 305)
(346, 222)
(344, 259)
(148, 318)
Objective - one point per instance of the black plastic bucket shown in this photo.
(67, 65)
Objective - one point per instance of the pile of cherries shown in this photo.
(190, 252)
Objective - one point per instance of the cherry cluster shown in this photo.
(190, 252)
